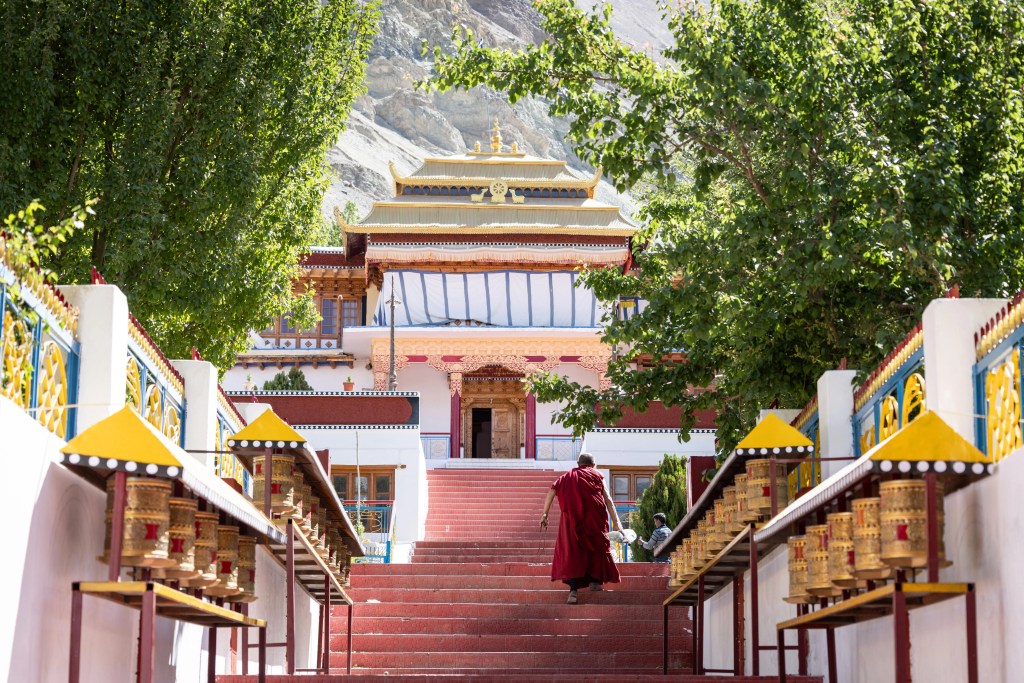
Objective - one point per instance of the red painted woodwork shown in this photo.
(657, 416)
(531, 426)
(332, 259)
(339, 410)
(456, 426)
(695, 482)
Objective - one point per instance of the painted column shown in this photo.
(531, 426)
(949, 357)
(201, 402)
(455, 387)
(835, 413)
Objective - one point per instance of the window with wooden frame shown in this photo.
(628, 484)
(373, 483)
(328, 317)
(351, 313)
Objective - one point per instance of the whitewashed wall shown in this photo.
(645, 448)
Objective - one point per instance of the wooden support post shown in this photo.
(780, 637)
(830, 640)
(901, 625)
(971, 618)
(699, 633)
(211, 659)
(263, 655)
(147, 641)
(117, 526)
(289, 602)
(75, 656)
(268, 475)
(737, 625)
(693, 641)
(931, 491)
(755, 632)
(348, 666)
(327, 624)
(664, 640)
(801, 643)
(244, 609)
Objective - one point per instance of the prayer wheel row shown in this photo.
(291, 497)
(880, 535)
(746, 501)
(170, 536)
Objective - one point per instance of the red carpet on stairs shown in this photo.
(477, 602)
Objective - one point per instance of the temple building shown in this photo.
(476, 262)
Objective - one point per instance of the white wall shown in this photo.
(322, 378)
(645, 448)
(435, 398)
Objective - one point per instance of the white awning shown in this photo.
(507, 298)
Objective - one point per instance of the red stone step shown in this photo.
(566, 626)
(554, 595)
(501, 569)
(649, 640)
(450, 545)
(576, 661)
(449, 581)
(518, 557)
(508, 611)
(520, 676)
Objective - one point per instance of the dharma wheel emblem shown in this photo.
(498, 190)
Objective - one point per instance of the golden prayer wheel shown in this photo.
(227, 562)
(867, 540)
(147, 520)
(732, 518)
(246, 570)
(696, 550)
(704, 535)
(673, 576)
(686, 569)
(841, 554)
(282, 483)
(712, 541)
(818, 582)
(722, 523)
(798, 594)
(743, 512)
(323, 525)
(904, 523)
(313, 518)
(206, 550)
(759, 481)
(299, 495)
(182, 541)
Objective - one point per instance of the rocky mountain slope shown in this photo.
(397, 122)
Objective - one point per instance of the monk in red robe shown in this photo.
(582, 550)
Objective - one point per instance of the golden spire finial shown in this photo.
(496, 138)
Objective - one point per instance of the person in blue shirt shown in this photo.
(658, 536)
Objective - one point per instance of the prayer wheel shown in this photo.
(732, 520)
(867, 540)
(743, 512)
(299, 497)
(818, 582)
(227, 562)
(798, 594)
(246, 570)
(696, 550)
(686, 569)
(712, 541)
(313, 518)
(282, 483)
(722, 531)
(841, 554)
(904, 523)
(759, 481)
(147, 521)
(182, 541)
(673, 577)
(706, 553)
(206, 550)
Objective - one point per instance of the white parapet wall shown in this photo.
(645, 447)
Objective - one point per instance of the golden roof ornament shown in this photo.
(496, 138)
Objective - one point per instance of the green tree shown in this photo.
(812, 173)
(293, 380)
(201, 128)
(667, 493)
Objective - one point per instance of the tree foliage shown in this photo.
(812, 173)
(293, 380)
(667, 493)
(201, 128)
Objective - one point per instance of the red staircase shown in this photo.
(477, 602)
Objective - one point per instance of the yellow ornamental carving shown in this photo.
(1002, 393)
(172, 424)
(133, 386)
(52, 398)
(154, 407)
(17, 364)
(889, 418)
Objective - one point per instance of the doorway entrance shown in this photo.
(480, 431)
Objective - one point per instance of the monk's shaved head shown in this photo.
(586, 460)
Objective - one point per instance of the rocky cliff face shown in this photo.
(397, 122)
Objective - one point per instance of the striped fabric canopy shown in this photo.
(506, 298)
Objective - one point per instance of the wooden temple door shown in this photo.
(504, 443)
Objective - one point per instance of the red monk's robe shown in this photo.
(582, 551)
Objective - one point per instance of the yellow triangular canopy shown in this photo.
(928, 438)
(772, 432)
(268, 427)
(123, 436)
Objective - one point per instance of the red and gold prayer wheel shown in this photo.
(299, 509)
(147, 521)
(227, 562)
(841, 553)
(673, 575)
(706, 550)
(732, 519)
(686, 569)
(282, 483)
(722, 534)
(867, 540)
(182, 541)
(798, 594)
(818, 582)
(743, 512)
(696, 550)
(313, 518)
(759, 480)
(246, 570)
(904, 523)
(206, 550)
